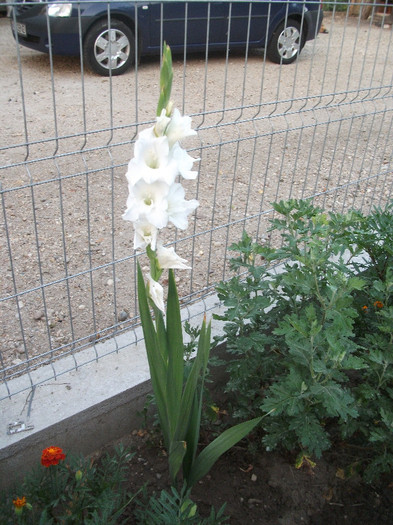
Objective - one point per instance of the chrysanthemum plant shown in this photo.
(155, 199)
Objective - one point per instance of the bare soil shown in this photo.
(267, 489)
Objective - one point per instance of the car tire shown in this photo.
(286, 43)
(101, 41)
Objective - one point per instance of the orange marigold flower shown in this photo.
(19, 502)
(364, 307)
(52, 456)
(378, 304)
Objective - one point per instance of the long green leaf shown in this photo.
(209, 455)
(175, 348)
(194, 425)
(192, 436)
(149, 332)
(177, 451)
(161, 334)
(156, 364)
(190, 387)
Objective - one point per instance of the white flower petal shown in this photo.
(148, 203)
(184, 162)
(168, 258)
(145, 234)
(152, 161)
(152, 150)
(156, 293)
(178, 207)
(161, 124)
(178, 128)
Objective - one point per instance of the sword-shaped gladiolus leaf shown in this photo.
(156, 363)
(174, 338)
(209, 455)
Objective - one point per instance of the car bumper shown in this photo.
(33, 32)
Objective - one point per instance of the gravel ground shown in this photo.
(320, 126)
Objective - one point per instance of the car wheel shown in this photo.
(286, 43)
(111, 49)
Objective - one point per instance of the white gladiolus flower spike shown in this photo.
(168, 258)
(155, 198)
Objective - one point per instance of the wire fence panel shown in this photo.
(320, 127)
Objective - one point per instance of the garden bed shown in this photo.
(267, 489)
(313, 378)
(318, 366)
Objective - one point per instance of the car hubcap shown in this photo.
(289, 42)
(112, 49)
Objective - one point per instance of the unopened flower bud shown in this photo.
(78, 475)
(169, 108)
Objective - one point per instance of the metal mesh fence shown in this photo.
(320, 128)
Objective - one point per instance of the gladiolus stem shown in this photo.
(155, 270)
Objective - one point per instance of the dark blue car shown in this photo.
(111, 35)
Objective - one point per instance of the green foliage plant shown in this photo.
(373, 388)
(77, 490)
(336, 6)
(307, 336)
(174, 508)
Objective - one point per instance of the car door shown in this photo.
(190, 23)
(252, 17)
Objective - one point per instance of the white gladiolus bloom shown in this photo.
(148, 203)
(158, 204)
(156, 292)
(152, 161)
(184, 162)
(178, 128)
(168, 258)
(178, 207)
(145, 234)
